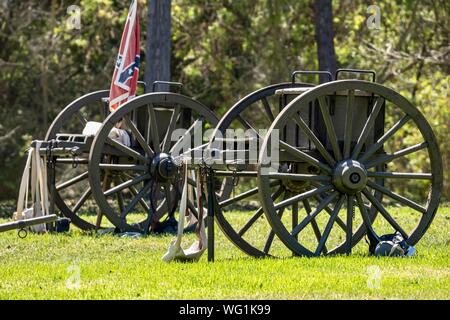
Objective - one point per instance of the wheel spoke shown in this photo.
(192, 208)
(148, 225)
(301, 123)
(268, 110)
(135, 201)
(126, 184)
(72, 161)
(154, 129)
(299, 177)
(400, 175)
(246, 174)
(391, 157)
(271, 235)
(128, 175)
(72, 181)
(330, 128)
(330, 212)
(314, 224)
(303, 196)
(375, 147)
(303, 156)
(269, 241)
(134, 192)
(250, 222)
(82, 200)
(349, 230)
(295, 215)
(349, 123)
(119, 196)
(397, 197)
(258, 213)
(81, 117)
(319, 208)
(244, 195)
(186, 134)
(329, 226)
(365, 215)
(192, 182)
(168, 195)
(239, 197)
(319, 198)
(172, 124)
(368, 127)
(384, 213)
(122, 167)
(138, 136)
(100, 214)
(128, 151)
(248, 126)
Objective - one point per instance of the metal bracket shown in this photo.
(143, 84)
(178, 85)
(301, 72)
(22, 233)
(357, 71)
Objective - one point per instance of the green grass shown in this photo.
(81, 266)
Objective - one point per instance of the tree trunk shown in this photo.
(324, 37)
(157, 58)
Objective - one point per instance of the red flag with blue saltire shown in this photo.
(126, 71)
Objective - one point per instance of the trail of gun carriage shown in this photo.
(307, 167)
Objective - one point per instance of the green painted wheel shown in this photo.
(351, 176)
(249, 230)
(73, 193)
(147, 171)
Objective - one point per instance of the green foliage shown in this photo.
(225, 50)
(222, 50)
(45, 65)
(410, 53)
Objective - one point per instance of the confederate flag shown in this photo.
(126, 72)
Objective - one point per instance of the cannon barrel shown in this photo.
(21, 224)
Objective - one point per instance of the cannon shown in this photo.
(96, 170)
(324, 171)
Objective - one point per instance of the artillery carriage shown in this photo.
(328, 153)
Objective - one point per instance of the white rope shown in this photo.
(196, 250)
(36, 167)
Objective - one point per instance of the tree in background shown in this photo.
(323, 13)
(221, 50)
(158, 42)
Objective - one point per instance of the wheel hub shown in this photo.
(163, 167)
(350, 177)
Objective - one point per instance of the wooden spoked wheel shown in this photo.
(348, 176)
(73, 194)
(148, 171)
(249, 231)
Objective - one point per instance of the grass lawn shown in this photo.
(82, 266)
